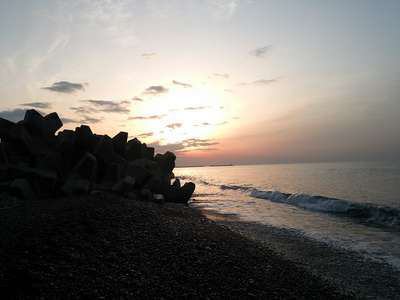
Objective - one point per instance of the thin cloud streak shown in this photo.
(149, 55)
(146, 134)
(185, 85)
(156, 90)
(221, 75)
(152, 117)
(65, 87)
(196, 107)
(109, 106)
(174, 125)
(42, 105)
(260, 52)
(259, 82)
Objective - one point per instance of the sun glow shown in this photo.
(183, 113)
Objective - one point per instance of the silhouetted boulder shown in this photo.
(53, 123)
(147, 152)
(76, 186)
(5, 127)
(85, 139)
(119, 141)
(134, 149)
(35, 123)
(23, 189)
(124, 186)
(166, 161)
(86, 168)
(180, 195)
(3, 155)
(176, 184)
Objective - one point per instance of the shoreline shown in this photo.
(348, 270)
(107, 246)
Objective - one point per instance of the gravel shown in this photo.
(103, 246)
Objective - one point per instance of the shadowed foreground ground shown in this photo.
(107, 247)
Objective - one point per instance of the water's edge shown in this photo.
(348, 270)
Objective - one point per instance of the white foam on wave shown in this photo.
(370, 213)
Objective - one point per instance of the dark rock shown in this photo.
(5, 127)
(19, 141)
(180, 195)
(86, 168)
(186, 191)
(166, 161)
(76, 186)
(3, 155)
(138, 172)
(124, 186)
(158, 185)
(104, 150)
(35, 123)
(113, 173)
(147, 152)
(73, 162)
(43, 181)
(53, 123)
(23, 189)
(85, 139)
(146, 194)
(176, 184)
(133, 149)
(119, 141)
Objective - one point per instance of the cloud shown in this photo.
(197, 149)
(68, 120)
(148, 55)
(109, 106)
(174, 125)
(264, 81)
(195, 142)
(260, 52)
(151, 117)
(90, 120)
(83, 109)
(196, 107)
(13, 115)
(204, 124)
(259, 82)
(185, 85)
(221, 75)
(65, 87)
(156, 90)
(137, 99)
(187, 145)
(42, 105)
(146, 134)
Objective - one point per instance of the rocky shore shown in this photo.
(39, 161)
(106, 246)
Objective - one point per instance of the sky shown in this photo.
(215, 81)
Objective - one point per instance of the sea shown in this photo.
(350, 205)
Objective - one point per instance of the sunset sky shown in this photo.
(216, 81)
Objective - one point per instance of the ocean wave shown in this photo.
(378, 215)
(365, 212)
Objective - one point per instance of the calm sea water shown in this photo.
(355, 205)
